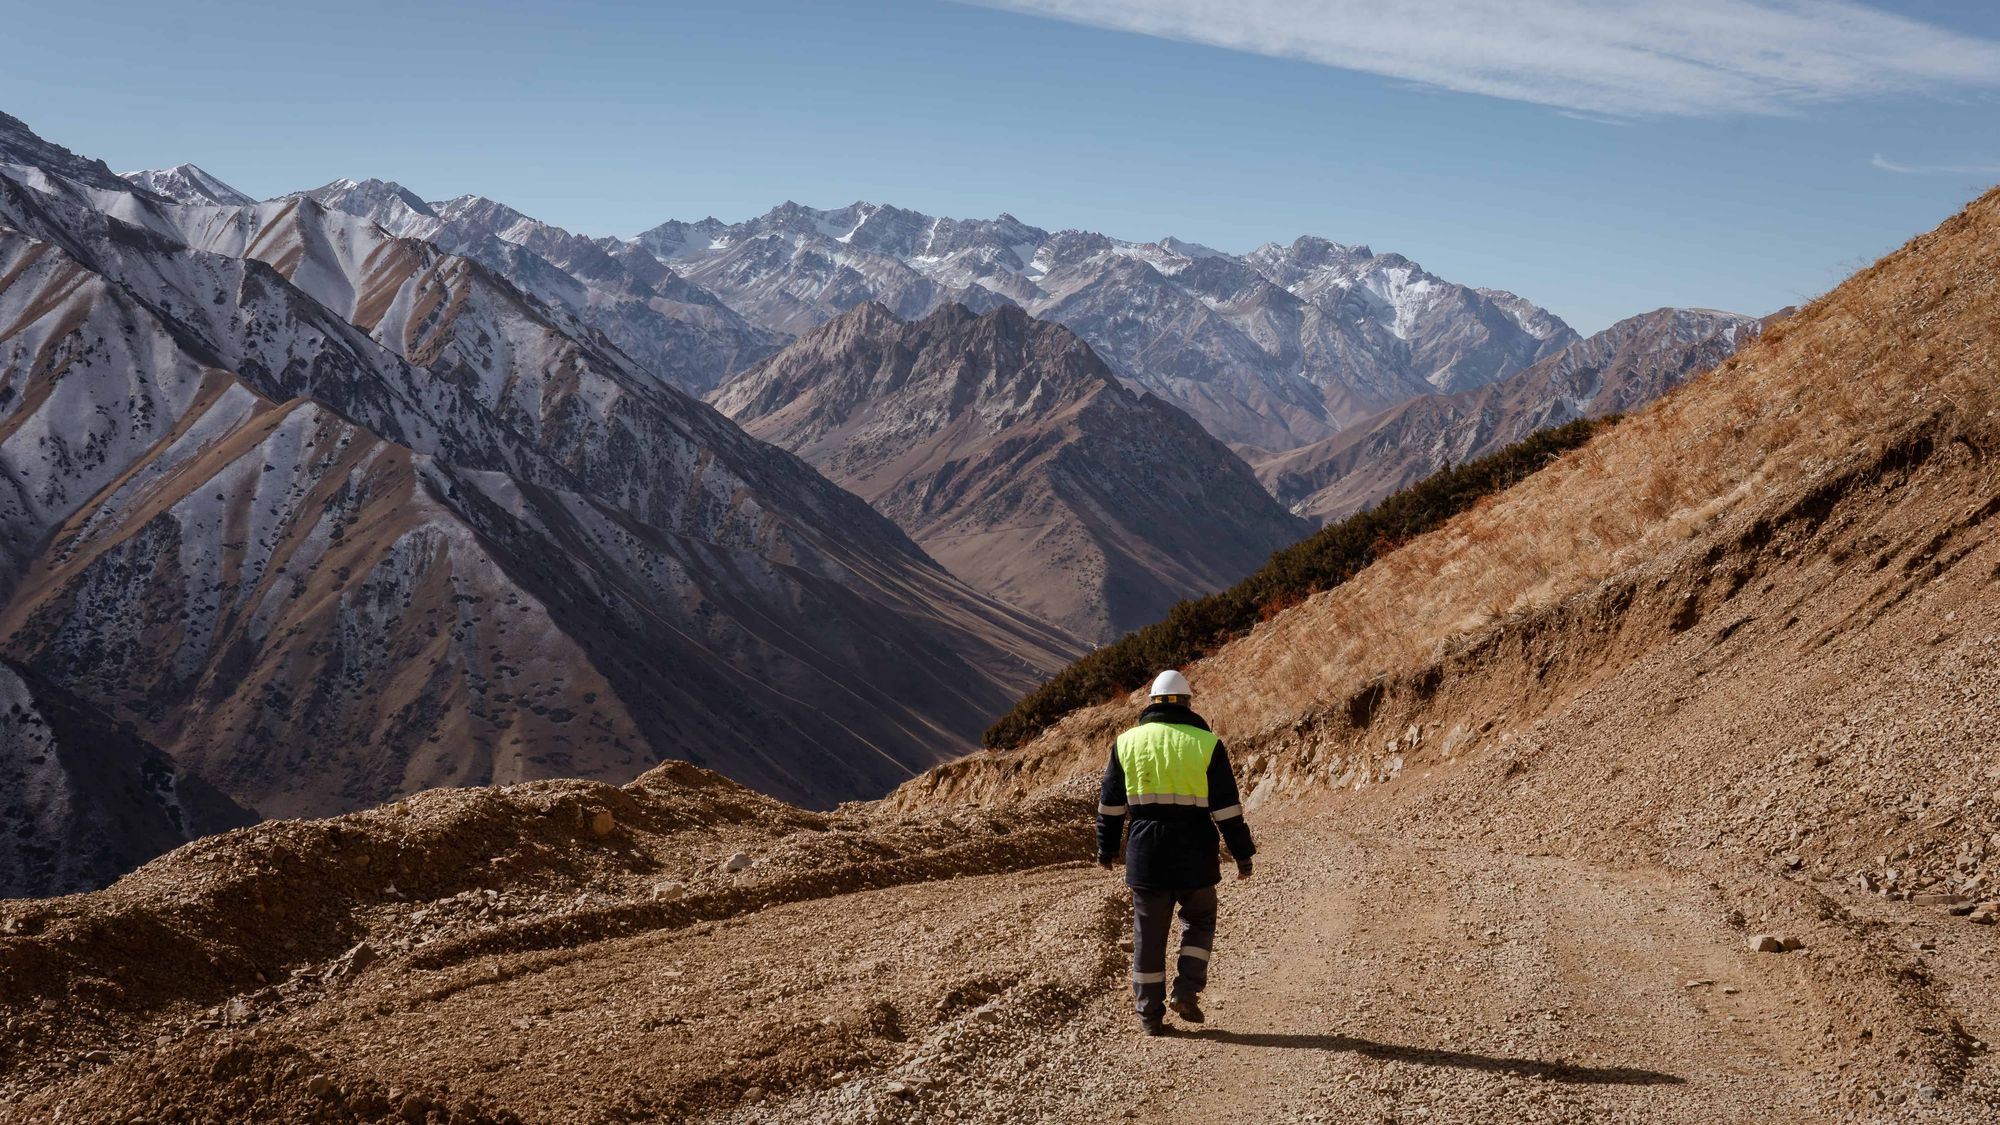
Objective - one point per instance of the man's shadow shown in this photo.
(1432, 1056)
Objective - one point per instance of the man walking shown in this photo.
(1171, 777)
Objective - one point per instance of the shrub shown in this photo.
(1323, 560)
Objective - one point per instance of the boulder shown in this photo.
(1766, 943)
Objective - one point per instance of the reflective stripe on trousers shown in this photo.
(1152, 925)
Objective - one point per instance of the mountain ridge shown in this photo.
(457, 538)
(1014, 455)
(1621, 368)
(1333, 333)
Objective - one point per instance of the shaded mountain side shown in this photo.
(457, 538)
(83, 801)
(1010, 453)
(1621, 368)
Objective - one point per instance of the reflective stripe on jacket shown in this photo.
(1170, 777)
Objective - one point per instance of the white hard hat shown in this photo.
(1170, 682)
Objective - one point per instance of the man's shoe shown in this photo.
(1186, 1009)
(1152, 1027)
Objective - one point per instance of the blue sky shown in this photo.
(1597, 157)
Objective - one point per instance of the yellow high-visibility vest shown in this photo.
(1166, 764)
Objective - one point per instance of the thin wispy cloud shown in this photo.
(1901, 169)
(1622, 58)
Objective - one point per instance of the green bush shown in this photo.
(1321, 561)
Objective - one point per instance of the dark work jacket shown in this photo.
(1173, 847)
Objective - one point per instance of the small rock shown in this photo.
(1702, 983)
(899, 1090)
(319, 1085)
(1766, 943)
(1788, 943)
(1928, 1093)
(754, 1094)
(97, 1058)
(1125, 944)
(602, 822)
(1936, 899)
(986, 1014)
(738, 862)
(414, 1109)
(668, 892)
(355, 960)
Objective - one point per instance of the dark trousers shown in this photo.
(1152, 918)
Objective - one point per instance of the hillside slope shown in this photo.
(1524, 790)
(1012, 455)
(1621, 368)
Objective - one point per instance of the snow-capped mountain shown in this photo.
(189, 185)
(1010, 452)
(331, 514)
(1623, 367)
(676, 330)
(1270, 350)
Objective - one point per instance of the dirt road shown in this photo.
(1367, 978)
(1361, 976)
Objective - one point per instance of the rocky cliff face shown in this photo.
(1012, 454)
(1621, 368)
(331, 514)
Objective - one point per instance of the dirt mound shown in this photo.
(435, 895)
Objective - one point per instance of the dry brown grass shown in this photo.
(1912, 336)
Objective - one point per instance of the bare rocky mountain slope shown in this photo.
(1527, 791)
(1268, 351)
(1621, 368)
(1012, 454)
(332, 515)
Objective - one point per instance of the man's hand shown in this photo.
(1242, 872)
